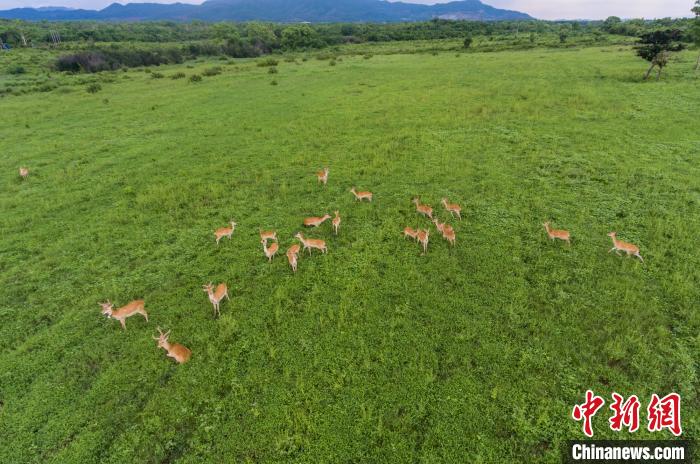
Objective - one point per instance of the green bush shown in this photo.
(215, 71)
(195, 78)
(93, 88)
(16, 70)
(273, 70)
(178, 75)
(268, 62)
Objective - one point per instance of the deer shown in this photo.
(292, 256)
(316, 221)
(423, 209)
(423, 238)
(23, 172)
(553, 234)
(410, 232)
(619, 245)
(336, 222)
(121, 314)
(271, 251)
(453, 208)
(215, 296)
(322, 176)
(312, 243)
(359, 196)
(448, 234)
(440, 226)
(268, 235)
(178, 352)
(225, 232)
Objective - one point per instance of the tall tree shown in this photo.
(656, 48)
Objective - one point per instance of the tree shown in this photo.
(695, 30)
(468, 41)
(656, 48)
(299, 36)
(563, 36)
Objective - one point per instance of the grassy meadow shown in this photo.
(371, 353)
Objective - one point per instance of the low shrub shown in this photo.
(215, 71)
(268, 62)
(272, 70)
(16, 70)
(93, 88)
(195, 78)
(178, 75)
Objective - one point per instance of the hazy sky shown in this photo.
(544, 9)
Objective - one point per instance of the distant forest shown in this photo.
(255, 38)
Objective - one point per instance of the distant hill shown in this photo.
(275, 10)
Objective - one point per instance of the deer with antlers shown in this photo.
(121, 314)
(359, 196)
(311, 243)
(270, 251)
(315, 221)
(452, 208)
(225, 232)
(215, 296)
(619, 245)
(322, 176)
(336, 222)
(423, 209)
(293, 256)
(178, 352)
(23, 172)
(555, 234)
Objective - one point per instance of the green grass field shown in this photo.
(371, 353)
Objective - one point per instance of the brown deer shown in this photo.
(336, 222)
(23, 172)
(423, 209)
(225, 232)
(453, 208)
(359, 196)
(410, 232)
(619, 245)
(322, 176)
(215, 296)
(316, 221)
(312, 243)
(268, 235)
(270, 251)
(292, 256)
(121, 314)
(423, 238)
(553, 234)
(448, 234)
(178, 352)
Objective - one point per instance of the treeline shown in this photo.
(256, 37)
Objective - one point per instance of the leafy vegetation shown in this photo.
(371, 353)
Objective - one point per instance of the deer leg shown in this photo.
(639, 256)
(123, 323)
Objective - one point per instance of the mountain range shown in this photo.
(274, 10)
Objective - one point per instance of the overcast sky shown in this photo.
(543, 9)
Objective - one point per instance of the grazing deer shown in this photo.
(410, 232)
(270, 251)
(423, 209)
(423, 238)
(336, 222)
(322, 176)
(316, 221)
(121, 314)
(439, 226)
(557, 234)
(619, 245)
(359, 196)
(312, 243)
(23, 172)
(292, 256)
(268, 235)
(453, 208)
(178, 352)
(215, 296)
(225, 232)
